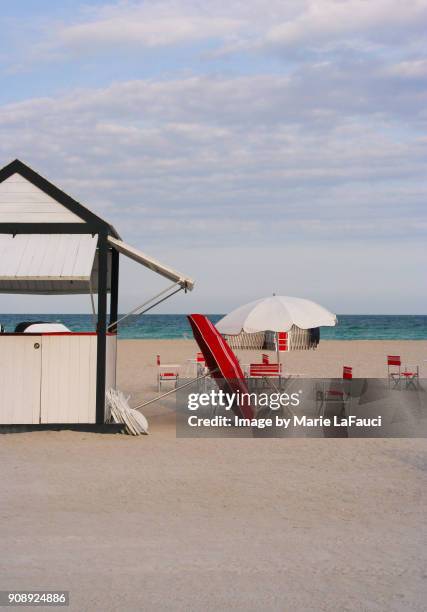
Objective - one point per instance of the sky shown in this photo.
(258, 147)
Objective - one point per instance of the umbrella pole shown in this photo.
(278, 358)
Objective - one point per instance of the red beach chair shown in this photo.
(265, 371)
(221, 362)
(282, 341)
(347, 373)
(393, 369)
(167, 372)
(411, 375)
(200, 364)
(342, 393)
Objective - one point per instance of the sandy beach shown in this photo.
(137, 369)
(156, 523)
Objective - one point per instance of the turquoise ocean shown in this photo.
(350, 327)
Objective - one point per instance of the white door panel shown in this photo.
(20, 379)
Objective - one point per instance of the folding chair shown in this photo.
(167, 372)
(200, 364)
(282, 341)
(201, 370)
(347, 373)
(394, 369)
(411, 375)
(339, 393)
(265, 371)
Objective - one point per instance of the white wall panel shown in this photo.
(55, 383)
(20, 368)
(68, 390)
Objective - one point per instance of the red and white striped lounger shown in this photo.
(221, 361)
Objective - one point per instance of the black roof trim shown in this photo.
(51, 228)
(60, 196)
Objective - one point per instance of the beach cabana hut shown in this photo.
(51, 244)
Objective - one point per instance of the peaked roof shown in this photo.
(88, 217)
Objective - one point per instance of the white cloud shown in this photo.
(323, 21)
(168, 22)
(136, 30)
(410, 69)
(239, 26)
(205, 159)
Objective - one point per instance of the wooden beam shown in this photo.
(101, 327)
(114, 299)
(48, 228)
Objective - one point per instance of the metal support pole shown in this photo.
(101, 328)
(187, 384)
(114, 299)
(138, 310)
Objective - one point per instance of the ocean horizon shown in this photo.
(170, 326)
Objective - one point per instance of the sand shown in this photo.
(157, 523)
(137, 368)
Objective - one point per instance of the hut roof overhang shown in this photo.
(48, 263)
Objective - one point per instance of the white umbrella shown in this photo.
(276, 313)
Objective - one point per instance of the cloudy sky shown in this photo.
(258, 146)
